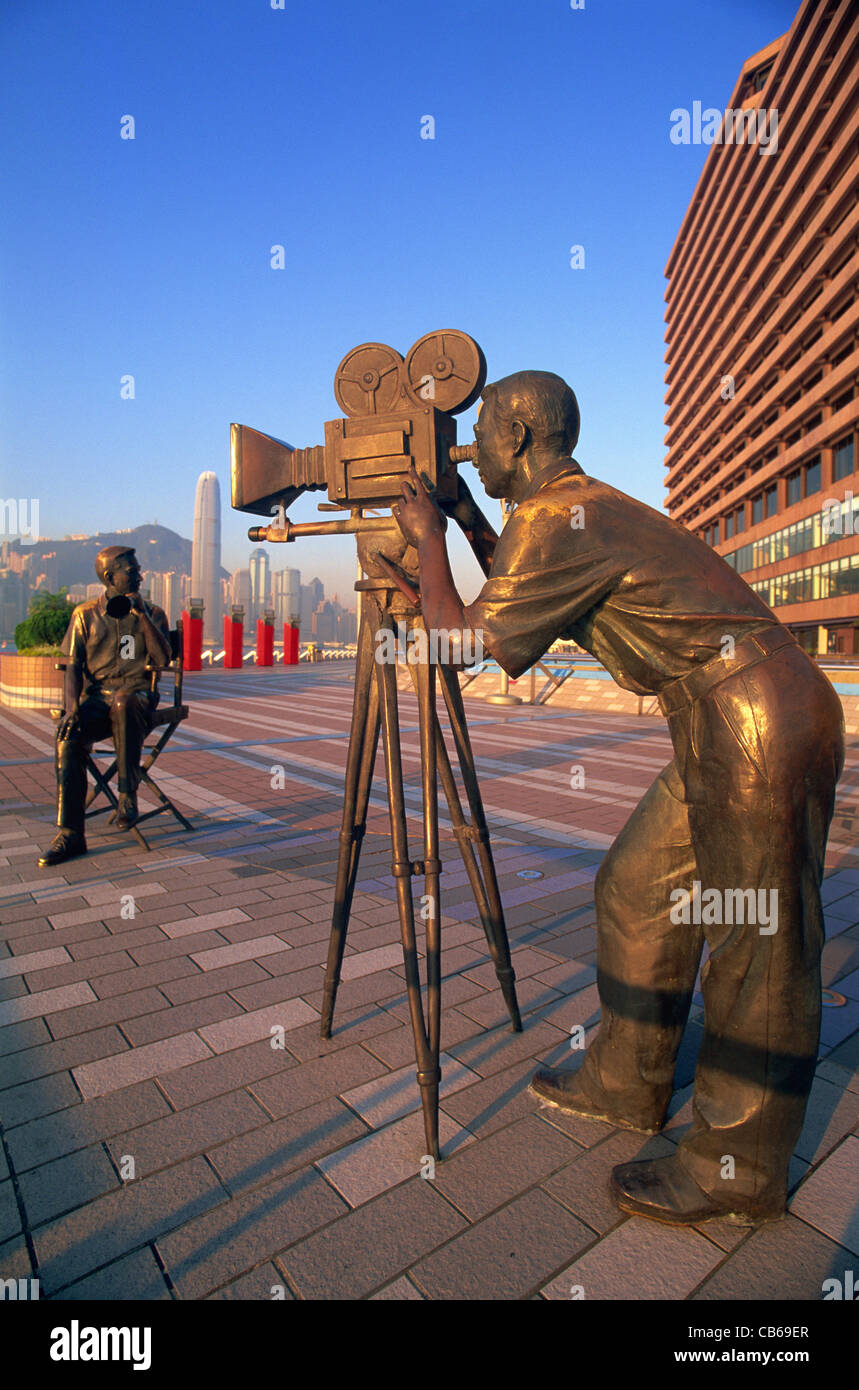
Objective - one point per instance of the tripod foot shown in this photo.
(429, 1084)
(507, 980)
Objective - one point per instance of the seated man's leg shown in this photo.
(93, 723)
(131, 719)
(646, 969)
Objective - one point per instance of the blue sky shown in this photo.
(257, 126)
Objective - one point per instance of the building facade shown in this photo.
(763, 332)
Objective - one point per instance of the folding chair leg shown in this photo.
(168, 804)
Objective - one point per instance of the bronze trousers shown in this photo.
(123, 715)
(745, 804)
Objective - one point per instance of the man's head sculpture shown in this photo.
(529, 415)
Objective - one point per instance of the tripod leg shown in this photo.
(426, 1048)
(493, 915)
(361, 758)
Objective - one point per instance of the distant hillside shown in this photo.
(157, 547)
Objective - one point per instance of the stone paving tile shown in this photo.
(639, 1260)
(132, 1278)
(299, 1086)
(182, 1018)
(363, 1250)
(495, 1102)
(583, 1184)
(350, 1026)
(272, 991)
(525, 961)
(831, 1114)
(10, 1219)
(79, 1126)
(217, 1075)
(33, 960)
(47, 1057)
(15, 1259)
(490, 1010)
(284, 1145)
(396, 1093)
(94, 971)
(191, 1131)
(826, 1199)
(66, 1183)
(401, 1290)
(34, 1098)
(397, 1047)
(124, 981)
(196, 983)
(95, 947)
(208, 921)
(264, 1282)
(369, 962)
(234, 1032)
(255, 949)
(779, 1262)
(119, 1009)
(499, 1167)
(501, 1048)
(119, 1222)
(47, 1001)
(507, 1256)
(221, 1245)
(389, 1156)
(164, 949)
(139, 1063)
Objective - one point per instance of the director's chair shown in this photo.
(168, 718)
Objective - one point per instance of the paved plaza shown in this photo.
(157, 1145)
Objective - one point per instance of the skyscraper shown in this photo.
(260, 572)
(763, 404)
(206, 554)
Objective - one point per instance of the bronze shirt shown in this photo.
(635, 589)
(94, 641)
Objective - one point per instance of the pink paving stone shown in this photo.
(247, 1028)
(390, 1156)
(639, 1260)
(47, 1001)
(368, 962)
(210, 921)
(391, 1096)
(139, 1063)
(242, 950)
(33, 960)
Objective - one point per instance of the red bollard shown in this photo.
(265, 640)
(290, 644)
(192, 638)
(234, 639)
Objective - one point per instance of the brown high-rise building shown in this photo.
(763, 331)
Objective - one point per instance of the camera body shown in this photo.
(399, 412)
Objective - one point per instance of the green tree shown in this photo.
(45, 626)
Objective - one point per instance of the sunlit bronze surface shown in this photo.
(745, 804)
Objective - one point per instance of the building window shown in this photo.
(812, 477)
(772, 500)
(715, 533)
(729, 526)
(757, 509)
(794, 487)
(843, 462)
(741, 520)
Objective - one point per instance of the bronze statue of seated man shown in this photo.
(112, 645)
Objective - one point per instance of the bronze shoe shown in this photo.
(127, 812)
(68, 844)
(562, 1089)
(661, 1189)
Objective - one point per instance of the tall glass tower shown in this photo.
(206, 555)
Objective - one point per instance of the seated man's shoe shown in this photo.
(127, 812)
(68, 844)
(563, 1090)
(661, 1188)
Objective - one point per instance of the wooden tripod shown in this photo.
(375, 708)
